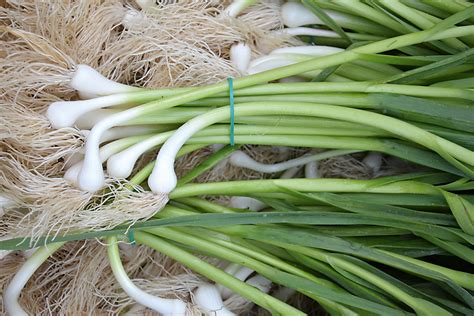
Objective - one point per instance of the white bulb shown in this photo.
(208, 298)
(237, 6)
(311, 170)
(66, 113)
(240, 55)
(374, 161)
(91, 175)
(162, 179)
(145, 4)
(295, 14)
(246, 203)
(121, 164)
(89, 82)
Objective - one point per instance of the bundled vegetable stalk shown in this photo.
(399, 84)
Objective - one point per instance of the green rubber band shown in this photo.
(230, 80)
(131, 236)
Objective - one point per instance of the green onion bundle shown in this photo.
(400, 83)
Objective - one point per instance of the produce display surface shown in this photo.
(245, 157)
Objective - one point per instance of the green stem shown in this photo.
(419, 20)
(295, 69)
(302, 185)
(394, 148)
(251, 293)
(398, 127)
(421, 306)
(367, 87)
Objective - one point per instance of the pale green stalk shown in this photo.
(389, 124)
(251, 293)
(302, 185)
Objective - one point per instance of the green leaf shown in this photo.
(433, 68)
(224, 220)
(326, 19)
(207, 164)
(455, 248)
(383, 210)
(288, 238)
(462, 210)
(343, 280)
(456, 117)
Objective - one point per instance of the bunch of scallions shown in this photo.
(398, 79)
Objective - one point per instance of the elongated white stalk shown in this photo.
(295, 14)
(89, 119)
(290, 173)
(86, 80)
(89, 83)
(164, 306)
(163, 178)
(246, 203)
(128, 131)
(289, 55)
(284, 293)
(105, 152)
(308, 31)
(271, 62)
(241, 159)
(91, 176)
(314, 50)
(208, 298)
(311, 170)
(120, 165)
(240, 55)
(65, 113)
(374, 161)
(239, 272)
(12, 292)
(237, 6)
(260, 282)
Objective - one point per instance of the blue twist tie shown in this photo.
(230, 80)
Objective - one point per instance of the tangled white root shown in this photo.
(344, 167)
(52, 207)
(29, 137)
(31, 63)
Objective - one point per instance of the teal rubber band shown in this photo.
(131, 236)
(230, 80)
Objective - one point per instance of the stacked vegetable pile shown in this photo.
(371, 82)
